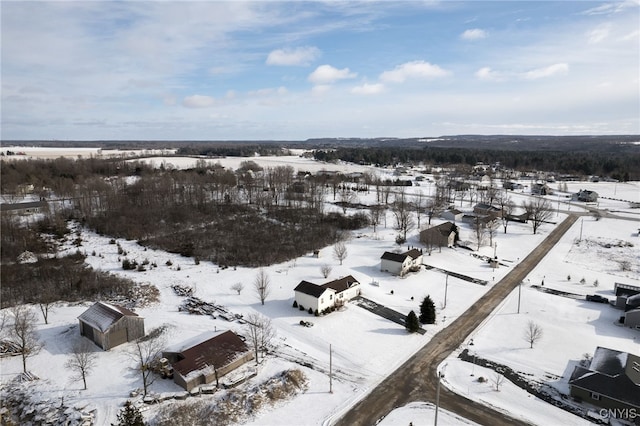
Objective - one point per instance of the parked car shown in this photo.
(597, 298)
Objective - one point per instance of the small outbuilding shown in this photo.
(109, 325)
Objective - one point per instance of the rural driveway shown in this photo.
(416, 379)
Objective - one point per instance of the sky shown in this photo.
(293, 70)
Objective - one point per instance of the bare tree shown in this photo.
(262, 284)
(347, 197)
(539, 211)
(260, 333)
(81, 360)
(401, 209)
(325, 269)
(479, 232)
(146, 352)
(497, 380)
(340, 251)
(507, 210)
(375, 215)
(238, 287)
(532, 333)
(22, 333)
(418, 205)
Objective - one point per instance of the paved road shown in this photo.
(416, 379)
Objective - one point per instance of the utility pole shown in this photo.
(330, 370)
(581, 223)
(519, 293)
(446, 286)
(435, 419)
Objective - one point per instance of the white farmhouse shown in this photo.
(321, 297)
(401, 263)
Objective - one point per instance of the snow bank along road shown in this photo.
(416, 379)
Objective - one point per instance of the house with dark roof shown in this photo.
(585, 195)
(611, 381)
(487, 210)
(206, 358)
(443, 235)
(109, 325)
(401, 263)
(321, 297)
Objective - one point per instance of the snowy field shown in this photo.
(365, 347)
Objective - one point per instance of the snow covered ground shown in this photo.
(365, 347)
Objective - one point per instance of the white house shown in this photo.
(320, 297)
(346, 289)
(401, 263)
(310, 295)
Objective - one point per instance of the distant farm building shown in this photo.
(109, 325)
(443, 235)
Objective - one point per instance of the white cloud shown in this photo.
(473, 34)
(368, 89)
(599, 34)
(414, 69)
(488, 74)
(198, 101)
(326, 74)
(298, 56)
(554, 69)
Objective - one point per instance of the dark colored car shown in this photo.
(597, 298)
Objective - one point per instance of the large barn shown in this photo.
(109, 325)
(206, 358)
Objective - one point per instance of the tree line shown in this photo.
(620, 166)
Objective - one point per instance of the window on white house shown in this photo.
(321, 300)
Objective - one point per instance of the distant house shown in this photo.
(321, 297)
(453, 215)
(24, 208)
(487, 209)
(443, 235)
(109, 325)
(586, 196)
(612, 381)
(541, 189)
(511, 185)
(631, 317)
(401, 263)
(206, 358)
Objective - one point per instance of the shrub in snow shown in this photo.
(568, 277)
(310, 311)
(295, 304)
(582, 280)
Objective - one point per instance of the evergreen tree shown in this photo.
(427, 311)
(130, 416)
(412, 325)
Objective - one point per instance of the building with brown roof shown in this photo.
(206, 358)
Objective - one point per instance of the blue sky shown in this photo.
(178, 70)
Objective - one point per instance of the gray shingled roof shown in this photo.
(606, 376)
(102, 315)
